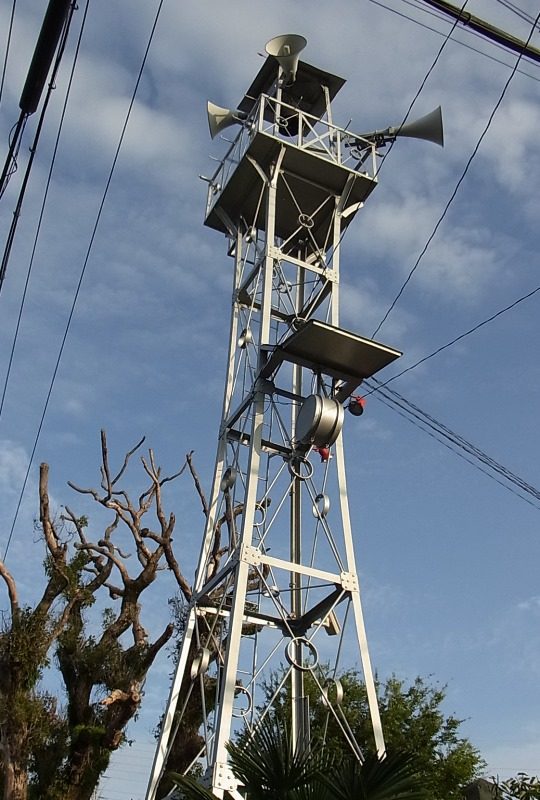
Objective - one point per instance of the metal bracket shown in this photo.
(349, 581)
(224, 777)
(250, 555)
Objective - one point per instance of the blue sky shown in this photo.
(448, 558)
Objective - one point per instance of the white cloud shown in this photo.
(13, 466)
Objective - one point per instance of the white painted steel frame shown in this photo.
(249, 402)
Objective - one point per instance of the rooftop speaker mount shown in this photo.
(286, 50)
(219, 118)
(429, 127)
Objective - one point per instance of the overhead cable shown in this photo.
(51, 31)
(516, 10)
(32, 98)
(463, 335)
(452, 37)
(42, 211)
(456, 188)
(488, 30)
(458, 445)
(8, 44)
(83, 270)
(420, 88)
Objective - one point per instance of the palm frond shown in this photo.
(393, 778)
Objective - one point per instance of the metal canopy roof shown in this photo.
(332, 351)
(305, 93)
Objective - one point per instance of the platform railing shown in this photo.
(314, 135)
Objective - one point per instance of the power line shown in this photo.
(487, 30)
(516, 10)
(465, 334)
(42, 211)
(456, 188)
(453, 38)
(457, 443)
(8, 44)
(83, 270)
(33, 149)
(420, 88)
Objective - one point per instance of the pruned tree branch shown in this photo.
(11, 588)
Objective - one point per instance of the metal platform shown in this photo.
(331, 351)
(308, 184)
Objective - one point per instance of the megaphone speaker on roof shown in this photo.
(286, 50)
(219, 118)
(429, 127)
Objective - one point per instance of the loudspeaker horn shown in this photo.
(219, 118)
(286, 50)
(429, 127)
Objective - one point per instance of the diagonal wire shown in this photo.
(42, 210)
(83, 270)
(463, 335)
(421, 87)
(421, 420)
(460, 181)
(8, 44)
(456, 41)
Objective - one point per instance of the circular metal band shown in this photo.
(289, 653)
(321, 506)
(294, 466)
(200, 663)
(305, 220)
(336, 684)
(242, 712)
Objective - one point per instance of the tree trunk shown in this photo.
(15, 776)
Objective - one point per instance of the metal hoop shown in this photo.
(305, 220)
(297, 323)
(310, 646)
(262, 510)
(294, 467)
(242, 712)
(321, 506)
(336, 683)
(200, 663)
(245, 338)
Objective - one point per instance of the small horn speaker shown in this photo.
(219, 118)
(429, 127)
(286, 50)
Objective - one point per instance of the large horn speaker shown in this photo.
(219, 118)
(286, 49)
(429, 127)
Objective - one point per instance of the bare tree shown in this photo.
(52, 753)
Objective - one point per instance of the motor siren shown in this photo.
(286, 50)
(429, 127)
(220, 118)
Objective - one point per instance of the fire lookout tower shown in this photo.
(277, 581)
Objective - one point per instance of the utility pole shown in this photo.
(486, 29)
(277, 581)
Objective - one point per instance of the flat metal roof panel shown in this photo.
(305, 93)
(312, 180)
(332, 351)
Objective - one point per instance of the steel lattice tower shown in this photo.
(277, 580)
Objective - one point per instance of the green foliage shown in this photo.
(413, 723)
(24, 645)
(522, 787)
(269, 769)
